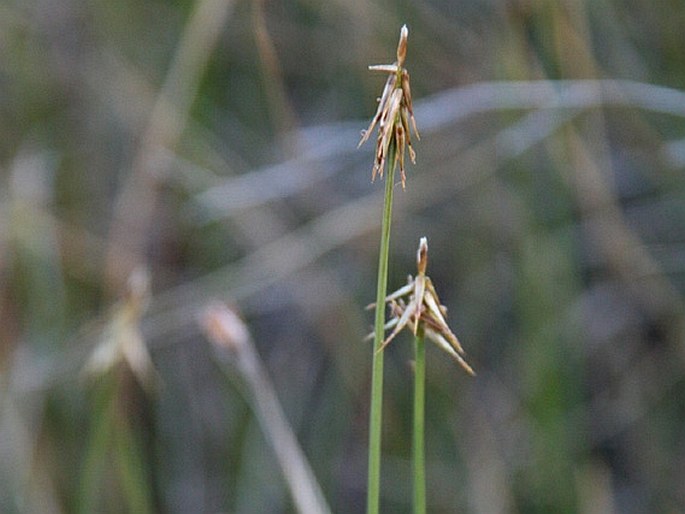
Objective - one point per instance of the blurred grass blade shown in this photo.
(233, 345)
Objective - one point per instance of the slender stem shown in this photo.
(375, 421)
(418, 451)
(97, 445)
(132, 473)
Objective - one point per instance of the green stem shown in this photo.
(133, 479)
(418, 450)
(374, 479)
(98, 443)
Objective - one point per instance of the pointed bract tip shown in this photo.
(422, 255)
(138, 288)
(402, 45)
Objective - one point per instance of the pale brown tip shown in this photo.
(422, 255)
(402, 45)
(224, 327)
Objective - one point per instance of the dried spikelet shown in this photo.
(418, 302)
(394, 111)
(121, 340)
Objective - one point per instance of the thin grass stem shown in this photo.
(102, 427)
(418, 446)
(376, 414)
(128, 458)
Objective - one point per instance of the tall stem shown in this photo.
(418, 451)
(376, 414)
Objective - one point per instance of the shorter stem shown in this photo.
(418, 450)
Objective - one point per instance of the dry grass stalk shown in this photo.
(234, 345)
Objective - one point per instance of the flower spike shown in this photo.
(394, 111)
(418, 303)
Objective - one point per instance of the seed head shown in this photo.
(393, 115)
(121, 339)
(418, 303)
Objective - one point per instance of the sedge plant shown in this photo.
(416, 306)
(393, 117)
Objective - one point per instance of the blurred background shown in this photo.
(156, 156)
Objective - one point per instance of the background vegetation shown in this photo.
(213, 143)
